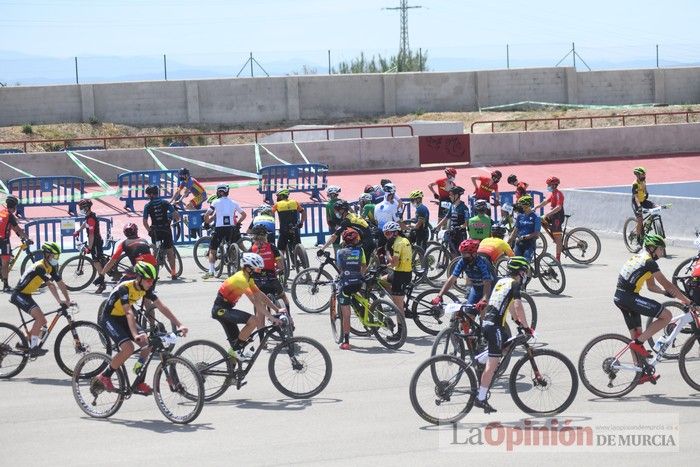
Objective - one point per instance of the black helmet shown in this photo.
(183, 172)
(341, 205)
(457, 190)
(152, 190)
(512, 179)
(259, 230)
(11, 201)
(498, 230)
(384, 181)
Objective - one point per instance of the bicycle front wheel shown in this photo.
(543, 383)
(78, 272)
(178, 390)
(300, 367)
(336, 321)
(463, 283)
(437, 258)
(529, 308)
(301, 258)
(311, 290)
(213, 363)
(449, 342)
(13, 358)
(689, 362)
(90, 394)
(581, 245)
(607, 368)
(200, 252)
(683, 272)
(629, 235)
(76, 340)
(551, 274)
(442, 389)
(390, 329)
(673, 349)
(428, 317)
(540, 245)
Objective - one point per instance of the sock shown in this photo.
(34, 342)
(346, 338)
(482, 393)
(211, 268)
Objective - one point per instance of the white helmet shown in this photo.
(366, 197)
(391, 226)
(333, 190)
(389, 188)
(253, 260)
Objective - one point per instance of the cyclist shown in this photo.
(352, 265)
(479, 225)
(420, 233)
(479, 271)
(494, 246)
(224, 311)
(135, 248)
(292, 217)
(526, 229)
(263, 216)
(506, 291)
(120, 324)
(43, 271)
(443, 190)
(95, 243)
(227, 226)
(399, 257)
(554, 218)
(333, 193)
(520, 187)
(267, 280)
(640, 269)
(349, 220)
(160, 213)
(389, 210)
(379, 191)
(457, 216)
(487, 186)
(186, 185)
(640, 199)
(367, 208)
(8, 222)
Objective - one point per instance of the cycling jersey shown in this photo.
(422, 213)
(193, 186)
(387, 211)
(477, 271)
(504, 292)
(458, 214)
(266, 221)
(485, 188)
(7, 221)
(401, 247)
(36, 275)
(93, 226)
(236, 286)
(636, 271)
(160, 212)
(127, 293)
(556, 198)
(137, 249)
(269, 253)
(479, 227)
(288, 211)
(368, 213)
(225, 210)
(527, 224)
(350, 261)
(494, 248)
(356, 222)
(639, 191)
(330, 213)
(443, 186)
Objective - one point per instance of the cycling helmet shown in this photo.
(84, 203)
(146, 270)
(365, 198)
(525, 200)
(469, 246)
(11, 201)
(457, 190)
(517, 264)
(252, 260)
(384, 181)
(152, 190)
(391, 226)
(222, 189)
(639, 171)
(552, 181)
(654, 240)
(212, 198)
(183, 172)
(415, 194)
(51, 247)
(369, 188)
(498, 231)
(264, 208)
(283, 192)
(451, 172)
(341, 205)
(481, 205)
(259, 230)
(512, 179)
(333, 190)
(131, 230)
(351, 236)
(389, 188)
(496, 174)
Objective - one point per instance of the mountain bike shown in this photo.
(311, 288)
(543, 382)
(546, 268)
(29, 257)
(674, 346)
(177, 386)
(79, 271)
(579, 244)
(295, 257)
(652, 223)
(609, 368)
(684, 270)
(299, 367)
(73, 341)
(161, 255)
(228, 255)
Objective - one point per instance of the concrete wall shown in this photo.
(295, 98)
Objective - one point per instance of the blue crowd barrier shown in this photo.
(132, 185)
(11, 151)
(47, 191)
(304, 178)
(60, 230)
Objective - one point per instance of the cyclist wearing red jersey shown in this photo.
(135, 248)
(8, 222)
(520, 187)
(443, 190)
(267, 280)
(487, 186)
(95, 242)
(554, 218)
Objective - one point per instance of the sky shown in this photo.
(203, 31)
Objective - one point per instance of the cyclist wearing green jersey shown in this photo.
(333, 193)
(479, 226)
(367, 208)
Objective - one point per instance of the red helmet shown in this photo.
(131, 230)
(351, 236)
(469, 246)
(552, 181)
(450, 172)
(369, 188)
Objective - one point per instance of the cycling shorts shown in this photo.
(23, 301)
(222, 234)
(5, 248)
(229, 318)
(117, 328)
(526, 249)
(555, 222)
(399, 281)
(162, 234)
(646, 204)
(633, 306)
(96, 251)
(345, 293)
(493, 333)
(288, 238)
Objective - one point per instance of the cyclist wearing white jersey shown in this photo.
(389, 210)
(227, 226)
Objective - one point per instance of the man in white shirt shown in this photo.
(227, 226)
(389, 210)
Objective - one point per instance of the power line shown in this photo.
(404, 48)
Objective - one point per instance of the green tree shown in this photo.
(411, 62)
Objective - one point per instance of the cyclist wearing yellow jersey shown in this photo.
(44, 271)
(398, 255)
(120, 324)
(186, 185)
(494, 246)
(640, 199)
(292, 217)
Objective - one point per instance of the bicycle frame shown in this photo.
(62, 311)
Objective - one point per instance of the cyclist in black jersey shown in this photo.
(458, 215)
(95, 242)
(160, 213)
(349, 220)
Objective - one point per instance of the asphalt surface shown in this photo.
(363, 417)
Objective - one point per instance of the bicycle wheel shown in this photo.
(437, 258)
(683, 272)
(581, 245)
(77, 339)
(543, 383)
(658, 225)
(90, 394)
(301, 258)
(122, 266)
(551, 274)
(78, 272)
(300, 367)
(446, 398)
(428, 317)
(501, 267)
(213, 363)
(12, 358)
(463, 283)
(674, 348)
(336, 320)
(540, 245)
(178, 263)
(629, 235)
(418, 265)
(529, 308)
(689, 362)
(200, 250)
(391, 324)
(449, 342)
(178, 390)
(311, 290)
(606, 368)
(233, 259)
